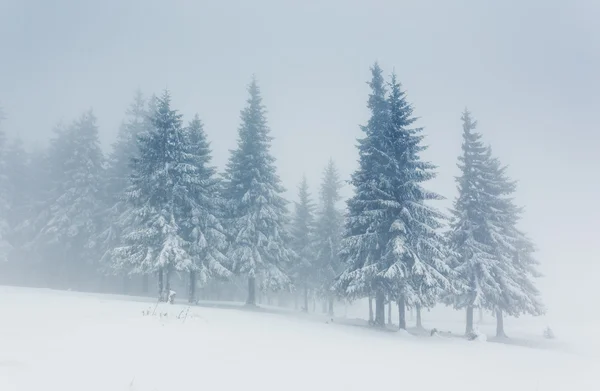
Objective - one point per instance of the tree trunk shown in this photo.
(161, 296)
(145, 283)
(192, 292)
(500, 324)
(469, 329)
(419, 321)
(330, 306)
(370, 309)
(324, 306)
(251, 291)
(296, 301)
(390, 312)
(401, 313)
(125, 285)
(380, 309)
(305, 309)
(167, 284)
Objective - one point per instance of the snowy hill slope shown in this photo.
(71, 342)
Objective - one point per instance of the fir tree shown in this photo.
(201, 215)
(256, 208)
(5, 246)
(302, 233)
(363, 240)
(492, 257)
(124, 150)
(19, 191)
(154, 241)
(71, 221)
(398, 230)
(328, 234)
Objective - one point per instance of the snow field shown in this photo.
(74, 342)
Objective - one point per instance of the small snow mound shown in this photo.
(405, 334)
(476, 335)
(548, 333)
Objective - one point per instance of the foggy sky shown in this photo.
(526, 69)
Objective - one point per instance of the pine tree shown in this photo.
(328, 234)
(154, 241)
(5, 246)
(362, 242)
(71, 221)
(302, 232)
(398, 230)
(493, 258)
(19, 191)
(124, 150)
(256, 208)
(201, 215)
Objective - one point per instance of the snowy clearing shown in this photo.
(70, 341)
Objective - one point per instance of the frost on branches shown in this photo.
(392, 246)
(124, 149)
(256, 209)
(5, 246)
(302, 235)
(328, 234)
(166, 200)
(492, 257)
(70, 220)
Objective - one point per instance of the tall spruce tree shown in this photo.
(157, 195)
(397, 229)
(302, 233)
(71, 221)
(492, 257)
(119, 169)
(19, 192)
(363, 241)
(416, 249)
(5, 246)
(202, 214)
(256, 208)
(328, 232)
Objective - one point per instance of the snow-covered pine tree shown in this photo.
(516, 266)
(5, 246)
(201, 215)
(328, 232)
(19, 191)
(363, 239)
(124, 149)
(154, 241)
(491, 256)
(410, 254)
(416, 251)
(302, 232)
(72, 219)
(256, 209)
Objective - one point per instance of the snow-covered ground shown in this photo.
(68, 341)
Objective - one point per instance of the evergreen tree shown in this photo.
(328, 233)
(71, 221)
(398, 230)
(19, 190)
(5, 246)
(302, 233)
(124, 150)
(157, 195)
(256, 208)
(362, 242)
(201, 215)
(492, 257)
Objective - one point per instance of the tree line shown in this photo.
(156, 206)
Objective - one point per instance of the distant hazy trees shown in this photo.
(155, 206)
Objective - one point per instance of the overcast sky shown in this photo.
(528, 71)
